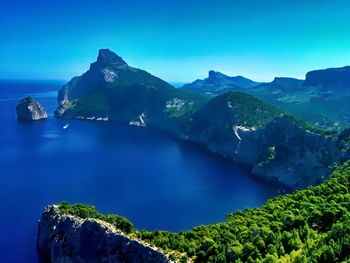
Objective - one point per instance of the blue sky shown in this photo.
(177, 40)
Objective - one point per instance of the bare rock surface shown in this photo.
(30, 110)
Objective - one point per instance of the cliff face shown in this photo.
(281, 151)
(66, 238)
(292, 155)
(332, 79)
(274, 146)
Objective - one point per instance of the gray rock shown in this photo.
(281, 151)
(65, 238)
(30, 110)
(64, 105)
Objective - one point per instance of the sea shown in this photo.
(144, 174)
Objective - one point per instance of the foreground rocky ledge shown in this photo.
(71, 239)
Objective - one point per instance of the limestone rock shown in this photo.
(66, 238)
(30, 110)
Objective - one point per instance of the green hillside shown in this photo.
(236, 107)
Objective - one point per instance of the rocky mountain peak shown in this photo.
(107, 57)
(211, 74)
(215, 74)
(216, 77)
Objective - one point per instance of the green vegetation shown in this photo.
(217, 117)
(311, 128)
(247, 110)
(124, 101)
(311, 225)
(129, 76)
(86, 211)
(326, 115)
(242, 108)
(94, 104)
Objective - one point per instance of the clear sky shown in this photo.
(177, 40)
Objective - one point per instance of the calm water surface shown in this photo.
(143, 174)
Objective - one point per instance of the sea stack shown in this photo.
(30, 110)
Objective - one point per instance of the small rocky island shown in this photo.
(30, 110)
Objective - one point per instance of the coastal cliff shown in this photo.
(67, 238)
(275, 146)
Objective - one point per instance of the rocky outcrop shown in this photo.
(329, 78)
(64, 105)
(139, 122)
(102, 72)
(30, 110)
(64, 238)
(330, 84)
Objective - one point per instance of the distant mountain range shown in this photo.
(329, 83)
(322, 98)
(218, 83)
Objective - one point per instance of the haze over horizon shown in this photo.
(175, 40)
